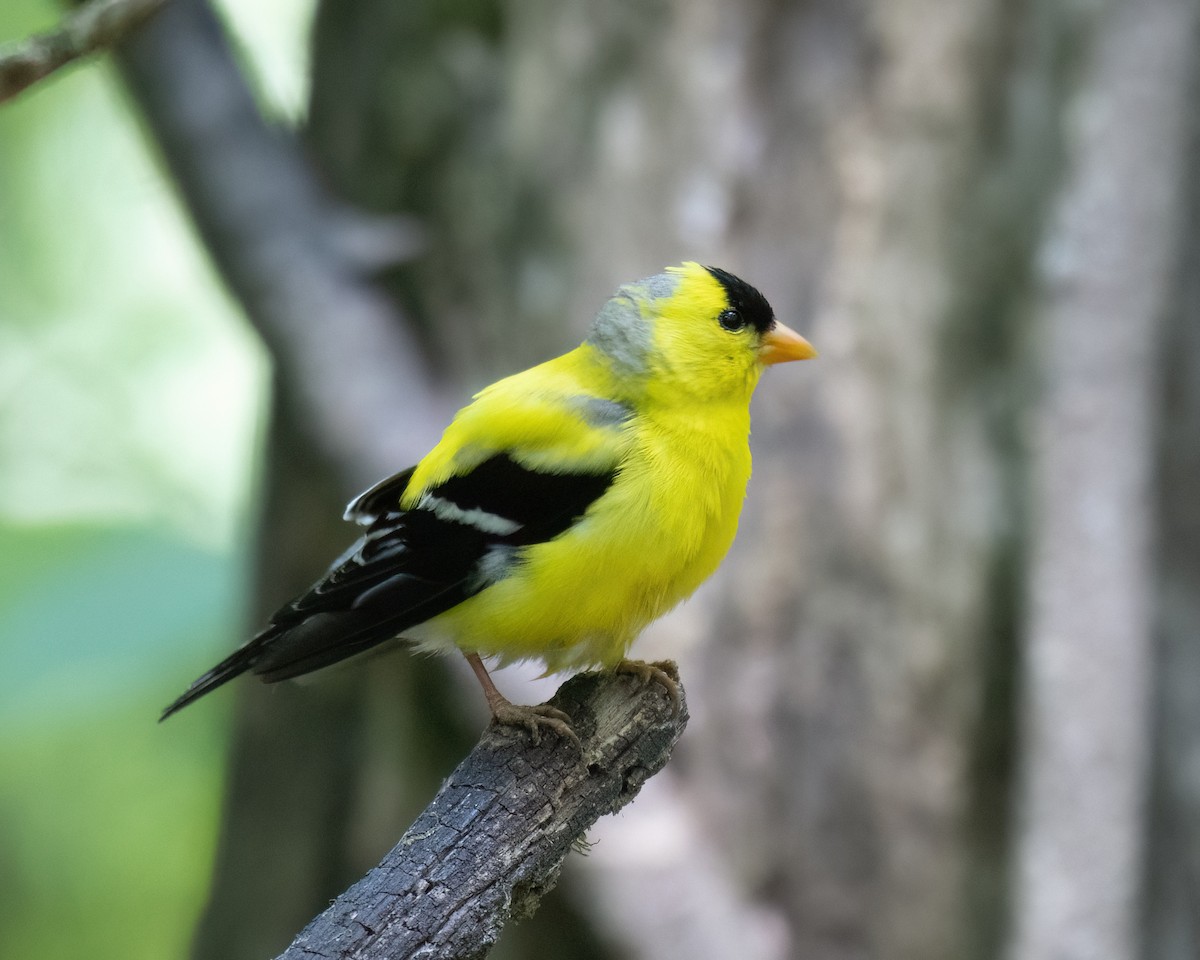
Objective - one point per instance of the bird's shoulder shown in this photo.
(552, 419)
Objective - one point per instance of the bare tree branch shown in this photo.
(94, 26)
(493, 840)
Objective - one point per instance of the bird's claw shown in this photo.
(533, 718)
(664, 672)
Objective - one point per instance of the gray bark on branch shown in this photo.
(493, 840)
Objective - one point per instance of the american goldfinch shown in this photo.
(563, 509)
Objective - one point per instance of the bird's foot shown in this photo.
(664, 672)
(509, 714)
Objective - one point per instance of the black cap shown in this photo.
(750, 305)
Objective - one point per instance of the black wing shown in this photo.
(411, 565)
(382, 498)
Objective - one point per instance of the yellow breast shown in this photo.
(654, 536)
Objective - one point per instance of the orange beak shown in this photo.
(782, 344)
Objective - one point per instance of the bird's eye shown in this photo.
(731, 320)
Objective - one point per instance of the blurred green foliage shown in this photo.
(130, 399)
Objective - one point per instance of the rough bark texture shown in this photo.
(493, 840)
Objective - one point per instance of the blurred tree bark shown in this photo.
(1102, 293)
(976, 206)
(1173, 853)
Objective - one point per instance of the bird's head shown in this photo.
(693, 331)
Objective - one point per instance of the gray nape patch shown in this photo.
(658, 287)
(599, 412)
(622, 333)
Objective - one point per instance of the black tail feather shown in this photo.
(232, 666)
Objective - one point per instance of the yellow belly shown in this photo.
(655, 535)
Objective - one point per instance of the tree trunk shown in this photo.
(1173, 855)
(1099, 302)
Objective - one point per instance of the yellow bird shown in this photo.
(564, 509)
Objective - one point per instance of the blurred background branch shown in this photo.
(299, 262)
(96, 25)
